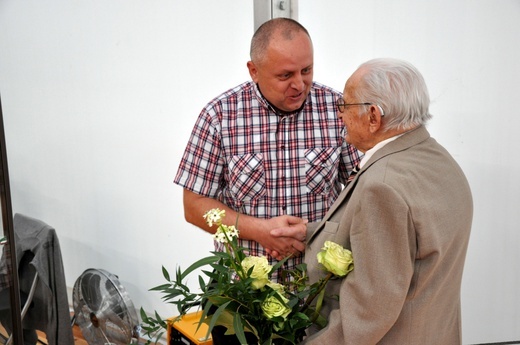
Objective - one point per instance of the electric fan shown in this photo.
(103, 310)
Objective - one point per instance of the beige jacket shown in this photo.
(406, 217)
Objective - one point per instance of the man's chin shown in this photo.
(294, 106)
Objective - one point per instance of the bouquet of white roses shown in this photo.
(237, 292)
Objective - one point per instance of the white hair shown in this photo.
(399, 88)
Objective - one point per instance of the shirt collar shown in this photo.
(373, 150)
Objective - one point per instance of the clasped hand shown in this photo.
(284, 236)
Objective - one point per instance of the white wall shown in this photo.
(100, 96)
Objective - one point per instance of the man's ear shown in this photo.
(253, 71)
(375, 118)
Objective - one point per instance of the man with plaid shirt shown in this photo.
(271, 149)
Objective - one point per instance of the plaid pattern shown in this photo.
(264, 164)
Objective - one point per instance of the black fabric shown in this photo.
(219, 337)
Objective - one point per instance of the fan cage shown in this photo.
(103, 309)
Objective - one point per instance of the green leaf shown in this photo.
(239, 328)
(221, 269)
(215, 317)
(202, 262)
(278, 265)
(202, 283)
(160, 287)
(219, 300)
(165, 273)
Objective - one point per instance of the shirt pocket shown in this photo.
(321, 169)
(247, 177)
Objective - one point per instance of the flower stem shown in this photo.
(323, 283)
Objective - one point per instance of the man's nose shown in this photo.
(297, 82)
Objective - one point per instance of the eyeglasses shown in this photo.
(341, 105)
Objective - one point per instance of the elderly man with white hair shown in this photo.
(406, 216)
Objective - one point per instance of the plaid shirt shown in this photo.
(242, 153)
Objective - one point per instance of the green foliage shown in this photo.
(153, 327)
(227, 298)
(243, 299)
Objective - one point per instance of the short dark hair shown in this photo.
(286, 27)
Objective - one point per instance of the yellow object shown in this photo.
(184, 331)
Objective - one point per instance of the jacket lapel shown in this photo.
(408, 139)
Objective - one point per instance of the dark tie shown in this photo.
(353, 173)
